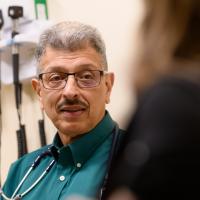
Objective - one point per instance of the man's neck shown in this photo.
(65, 139)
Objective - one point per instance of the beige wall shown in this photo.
(118, 23)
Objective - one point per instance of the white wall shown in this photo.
(118, 22)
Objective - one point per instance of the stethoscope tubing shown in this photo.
(21, 182)
(36, 162)
(39, 178)
(110, 159)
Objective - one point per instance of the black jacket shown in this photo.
(160, 157)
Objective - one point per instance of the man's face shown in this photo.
(87, 105)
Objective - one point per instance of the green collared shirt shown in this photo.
(80, 167)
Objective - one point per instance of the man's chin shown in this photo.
(73, 130)
(67, 136)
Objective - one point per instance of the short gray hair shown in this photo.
(71, 36)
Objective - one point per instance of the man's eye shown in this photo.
(86, 75)
(55, 78)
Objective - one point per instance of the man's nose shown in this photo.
(71, 89)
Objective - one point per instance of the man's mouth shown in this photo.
(73, 108)
(72, 111)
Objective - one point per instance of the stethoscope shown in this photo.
(52, 151)
(36, 162)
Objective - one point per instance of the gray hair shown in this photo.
(71, 36)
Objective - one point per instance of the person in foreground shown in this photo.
(160, 158)
(73, 87)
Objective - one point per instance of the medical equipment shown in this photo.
(36, 162)
(15, 13)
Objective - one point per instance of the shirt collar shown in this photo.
(83, 147)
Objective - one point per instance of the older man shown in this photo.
(73, 87)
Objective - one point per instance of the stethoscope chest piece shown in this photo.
(18, 197)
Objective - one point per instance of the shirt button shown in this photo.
(62, 178)
(78, 165)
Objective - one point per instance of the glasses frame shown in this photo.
(40, 77)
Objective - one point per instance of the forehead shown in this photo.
(63, 60)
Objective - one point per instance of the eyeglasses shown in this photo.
(58, 80)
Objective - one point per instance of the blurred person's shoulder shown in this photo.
(170, 87)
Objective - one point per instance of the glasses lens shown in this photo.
(84, 79)
(54, 80)
(88, 79)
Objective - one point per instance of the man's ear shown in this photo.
(109, 84)
(37, 87)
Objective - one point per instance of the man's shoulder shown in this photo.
(22, 164)
(31, 156)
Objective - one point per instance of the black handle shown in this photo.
(42, 132)
(1, 19)
(15, 61)
(18, 85)
(21, 141)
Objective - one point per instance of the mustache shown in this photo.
(70, 102)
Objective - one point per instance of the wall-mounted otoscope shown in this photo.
(16, 12)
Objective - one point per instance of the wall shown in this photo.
(118, 22)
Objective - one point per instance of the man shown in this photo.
(73, 87)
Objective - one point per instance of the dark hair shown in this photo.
(169, 33)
